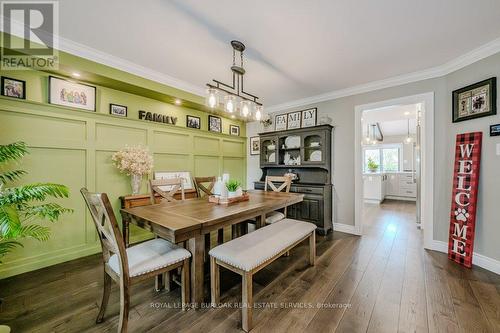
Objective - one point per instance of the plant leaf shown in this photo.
(7, 246)
(32, 192)
(35, 231)
(49, 211)
(10, 176)
(9, 221)
(12, 151)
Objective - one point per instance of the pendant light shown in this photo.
(232, 93)
(408, 138)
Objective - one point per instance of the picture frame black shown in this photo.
(466, 99)
(114, 113)
(214, 124)
(193, 122)
(255, 145)
(234, 130)
(52, 79)
(23, 84)
(495, 130)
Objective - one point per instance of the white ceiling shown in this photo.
(295, 49)
(393, 120)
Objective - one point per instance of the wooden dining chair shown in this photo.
(176, 184)
(286, 183)
(127, 266)
(204, 191)
(201, 188)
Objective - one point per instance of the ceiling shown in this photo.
(295, 49)
(393, 120)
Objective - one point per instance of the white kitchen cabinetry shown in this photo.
(399, 186)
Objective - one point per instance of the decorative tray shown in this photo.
(228, 201)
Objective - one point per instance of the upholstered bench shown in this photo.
(250, 253)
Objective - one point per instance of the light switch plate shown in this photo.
(498, 149)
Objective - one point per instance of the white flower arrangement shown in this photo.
(133, 160)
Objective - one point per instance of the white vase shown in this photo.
(135, 183)
(232, 194)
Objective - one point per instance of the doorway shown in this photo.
(394, 157)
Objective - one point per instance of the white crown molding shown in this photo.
(89, 53)
(462, 61)
(107, 59)
(480, 260)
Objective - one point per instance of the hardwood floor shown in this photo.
(381, 282)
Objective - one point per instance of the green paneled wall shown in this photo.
(74, 147)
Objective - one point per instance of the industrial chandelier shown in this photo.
(233, 98)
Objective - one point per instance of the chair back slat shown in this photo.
(201, 188)
(175, 184)
(286, 184)
(107, 228)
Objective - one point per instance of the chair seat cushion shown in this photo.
(150, 256)
(274, 217)
(253, 249)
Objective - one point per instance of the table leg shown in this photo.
(261, 221)
(197, 248)
(125, 230)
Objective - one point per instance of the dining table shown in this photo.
(190, 220)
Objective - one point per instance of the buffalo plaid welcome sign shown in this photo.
(464, 197)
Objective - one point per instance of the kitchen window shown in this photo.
(386, 157)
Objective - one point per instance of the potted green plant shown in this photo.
(23, 207)
(233, 188)
(372, 166)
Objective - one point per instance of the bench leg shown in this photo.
(185, 284)
(159, 282)
(247, 302)
(312, 248)
(214, 282)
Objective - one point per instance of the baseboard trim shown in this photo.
(394, 197)
(348, 229)
(480, 260)
(372, 201)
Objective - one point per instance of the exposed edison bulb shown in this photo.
(258, 112)
(246, 108)
(212, 98)
(408, 139)
(230, 103)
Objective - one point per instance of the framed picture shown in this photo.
(118, 110)
(280, 122)
(13, 88)
(294, 120)
(234, 130)
(475, 101)
(254, 145)
(309, 117)
(185, 175)
(495, 130)
(214, 124)
(72, 94)
(193, 122)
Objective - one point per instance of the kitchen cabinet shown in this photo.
(379, 186)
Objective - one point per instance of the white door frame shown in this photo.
(427, 163)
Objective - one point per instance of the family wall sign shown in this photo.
(464, 197)
(157, 117)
